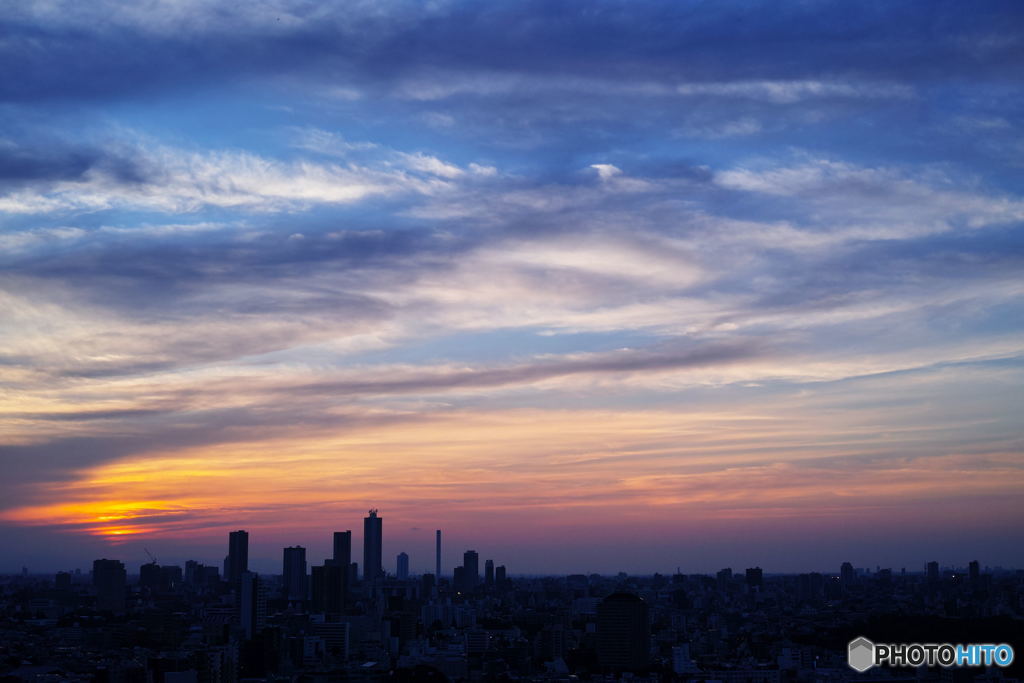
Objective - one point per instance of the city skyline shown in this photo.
(748, 625)
(238, 544)
(589, 286)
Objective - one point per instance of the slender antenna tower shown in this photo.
(438, 555)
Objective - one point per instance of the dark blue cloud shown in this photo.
(610, 41)
(45, 163)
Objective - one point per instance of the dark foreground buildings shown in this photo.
(165, 625)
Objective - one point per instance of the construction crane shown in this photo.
(151, 558)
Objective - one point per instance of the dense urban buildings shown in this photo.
(166, 625)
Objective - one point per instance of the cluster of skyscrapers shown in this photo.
(329, 583)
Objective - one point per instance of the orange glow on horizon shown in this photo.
(591, 467)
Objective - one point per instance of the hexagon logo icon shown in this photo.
(860, 654)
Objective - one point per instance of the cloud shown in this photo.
(20, 164)
(784, 92)
(420, 51)
(722, 129)
(893, 202)
(606, 171)
(325, 142)
(174, 180)
(432, 165)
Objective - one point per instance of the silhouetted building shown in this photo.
(252, 604)
(402, 566)
(723, 579)
(489, 573)
(459, 578)
(342, 548)
(755, 578)
(471, 567)
(373, 536)
(499, 574)
(62, 582)
(623, 632)
(846, 574)
(110, 580)
(238, 557)
(974, 572)
(294, 571)
(933, 572)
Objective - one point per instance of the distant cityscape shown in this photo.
(339, 620)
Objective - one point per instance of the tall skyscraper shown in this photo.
(623, 632)
(402, 566)
(294, 570)
(110, 580)
(489, 573)
(755, 577)
(974, 571)
(238, 557)
(471, 565)
(373, 536)
(437, 558)
(252, 604)
(499, 574)
(342, 548)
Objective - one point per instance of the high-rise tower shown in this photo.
(252, 604)
(110, 580)
(238, 557)
(343, 548)
(471, 565)
(373, 535)
(294, 570)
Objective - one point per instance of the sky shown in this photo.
(590, 286)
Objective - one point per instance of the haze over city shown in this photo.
(592, 287)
